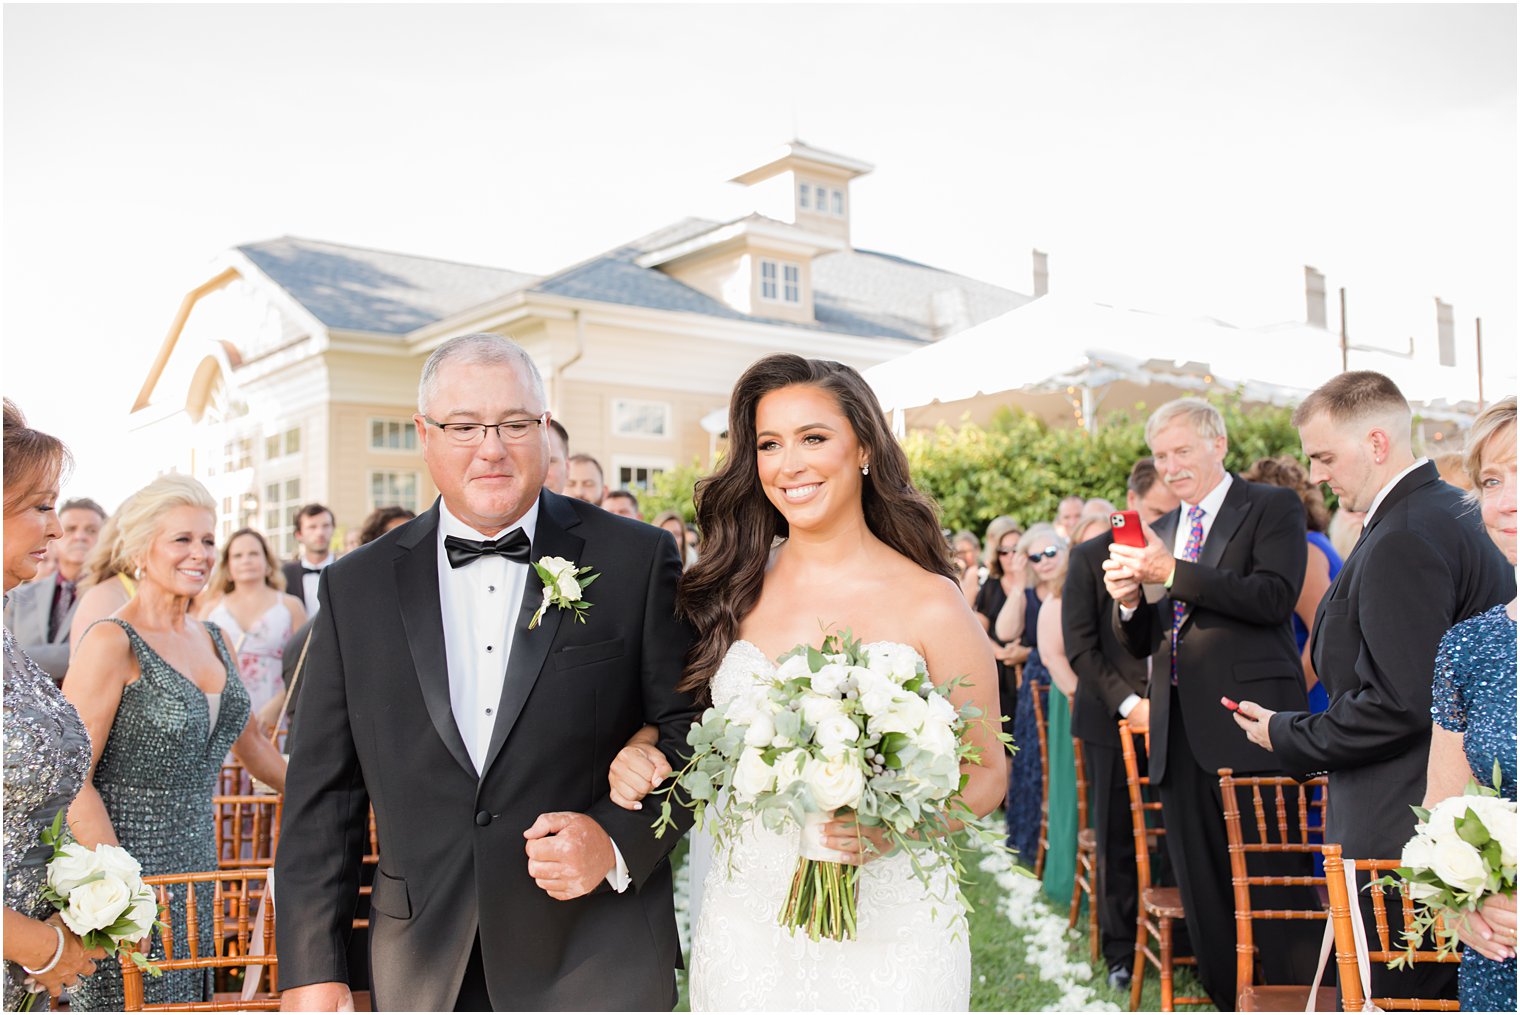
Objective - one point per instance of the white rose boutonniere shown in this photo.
(564, 584)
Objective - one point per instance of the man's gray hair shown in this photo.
(1205, 419)
(482, 347)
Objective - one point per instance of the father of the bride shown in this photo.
(507, 878)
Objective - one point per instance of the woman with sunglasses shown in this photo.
(1041, 556)
(1005, 577)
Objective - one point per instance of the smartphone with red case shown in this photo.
(1230, 703)
(1127, 531)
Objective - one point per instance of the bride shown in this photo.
(812, 461)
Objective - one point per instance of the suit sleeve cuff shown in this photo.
(618, 878)
(1128, 705)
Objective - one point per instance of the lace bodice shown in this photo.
(912, 951)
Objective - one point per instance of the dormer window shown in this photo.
(780, 281)
(820, 200)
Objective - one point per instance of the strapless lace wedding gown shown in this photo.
(911, 952)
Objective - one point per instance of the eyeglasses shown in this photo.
(1049, 553)
(512, 431)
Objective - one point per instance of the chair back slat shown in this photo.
(1145, 814)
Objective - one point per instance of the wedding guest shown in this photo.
(1324, 561)
(967, 550)
(107, 583)
(1345, 529)
(161, 698)
(673, 523)
(248, 601)
(39, 612)
(1423, 565)
(991, 540)
(382, 520)
(47, 750)
(1473, 705)
(1005, 577)
(1043, 553)
(559, 456)
(623, 502)
(314, 531)
(1068, 513)
(583, 479)
(1061, 780)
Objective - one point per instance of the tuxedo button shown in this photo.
(483, 818)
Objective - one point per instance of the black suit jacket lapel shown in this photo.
(422, 617)
(530, 649)
(1232, 512)
(1426, 474)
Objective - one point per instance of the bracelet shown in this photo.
(56, 955)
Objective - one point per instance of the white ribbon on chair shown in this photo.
(253, 975)
(1359, 933)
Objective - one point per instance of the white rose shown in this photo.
(941, 708)
(143, 913)
(905, 715)
(896, 661)
(743, 709)
(71, 868)
(1459, 865)
(876, 692)
(564, 577)
(96, 905)
(794, 667)
(834, 782)
(117, 862)
(834, 732)
(761, 730)
(752, 776)
(829, 679)
(789, 768)
(936, 737)
(1498, 816)
(816, 708)
(1440, 825)
(1418, 853)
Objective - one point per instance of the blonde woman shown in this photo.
(161, 698)
(248, 601)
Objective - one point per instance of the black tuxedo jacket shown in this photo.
(1106, 672)
(376, 726)
(294, 579)
(1423, 565)
(1237, 640)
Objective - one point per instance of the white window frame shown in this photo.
(653, 463)
(282, 536)
(404, 425)
(283, 437)
(779, 282)
(369, 488)
(621, 411)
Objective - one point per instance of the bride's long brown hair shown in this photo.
(739, 523)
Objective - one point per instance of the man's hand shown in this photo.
(1122, 587)
(1140, 716)
(317, 997)
(1153, 563)
(569, 854)
(1491, 930)
(1255, 721)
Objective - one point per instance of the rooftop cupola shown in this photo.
(807, 187)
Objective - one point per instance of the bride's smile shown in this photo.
(807, 454)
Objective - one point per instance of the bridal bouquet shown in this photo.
(1463, 851)
(100, 895)
(836, 728)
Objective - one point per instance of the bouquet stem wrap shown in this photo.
(822, 899)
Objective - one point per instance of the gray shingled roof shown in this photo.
(356, 289)
(855, 292)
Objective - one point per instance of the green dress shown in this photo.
(156, 775)
(1061, 857)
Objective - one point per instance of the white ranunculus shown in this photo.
(834, 733)
(834, 782)
(762, 729)
(829, 680)
(876, 692)
(793, 667)
(941, 708)
(96, 905)
(896, 661)
(72, 867)
(1418, 853)
(816, 708)
(752, 776)
(905, 715)
(118, 862)
(745, 707)
(1459, 865)
(788, 768)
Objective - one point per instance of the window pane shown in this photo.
(823, 199)
(272, 447)
(838, 202)
(803, 190)
(272, 492)
(292, 441)
(272, 519)
(292, 490)
(768, 269)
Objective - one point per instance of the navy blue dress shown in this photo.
(1474, 695)
(1026, 776)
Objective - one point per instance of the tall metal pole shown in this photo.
(1345, 352)
(1478, 324)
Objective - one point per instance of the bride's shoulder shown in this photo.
(931, 591)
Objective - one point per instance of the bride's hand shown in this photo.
(858, 843)
(637, 770)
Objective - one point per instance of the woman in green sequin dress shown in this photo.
(160, 695)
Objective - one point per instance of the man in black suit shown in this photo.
(480, 717)
(1423, 564)
(314, 525)
(1111, 683)
(1224, 571)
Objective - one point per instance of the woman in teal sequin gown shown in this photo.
(1473, 704)
(161, 697)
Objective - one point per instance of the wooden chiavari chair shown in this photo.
(247, 829)
(242, 939)
(1287, 816)
(1387, 946)
(1086, 880)
(1160, 907)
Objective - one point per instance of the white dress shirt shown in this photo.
(480, 603)
(1377, 501)
(309, 582)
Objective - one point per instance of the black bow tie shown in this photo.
(514, 546)
(310, 570)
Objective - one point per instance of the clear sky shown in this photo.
(1180, 159)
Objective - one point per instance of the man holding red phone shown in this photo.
(1225, 570)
